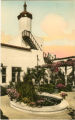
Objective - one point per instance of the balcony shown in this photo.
(29, 38)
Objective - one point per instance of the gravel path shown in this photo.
(12, 113)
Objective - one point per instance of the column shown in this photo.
(21, 75)
(0, 75)
(65, 75)
(73, 67)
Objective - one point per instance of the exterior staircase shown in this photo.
(29, 38)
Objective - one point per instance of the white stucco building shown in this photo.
(21, 52)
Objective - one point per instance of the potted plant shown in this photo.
(63, 95)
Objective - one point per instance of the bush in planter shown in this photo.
(3, 91)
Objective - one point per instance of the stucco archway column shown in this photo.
(0, 74)
(21, 75)
(65, 75)
(73, 74)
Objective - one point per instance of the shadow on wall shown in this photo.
(3, 116)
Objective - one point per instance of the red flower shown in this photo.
(40, 101)
(32, 103)
(60, 85)
(56, 69)
(63, 94)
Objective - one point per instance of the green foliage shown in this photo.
(68, 88)
(44, 101)
(26, 100)
(11, 85)
(61, 75)
(60, 87)
(3, 91)
(48, 60)
(46, 88)
(60, 81)
(26, 88)
(57, 77)
(71, 77)
(38, 73)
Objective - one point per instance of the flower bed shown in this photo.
(38, 109)
(41, 100)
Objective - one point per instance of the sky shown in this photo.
(54, 21)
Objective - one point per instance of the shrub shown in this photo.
(60, 86)
(3, 91)
(46, 88)
(26, 100)
(23, 90)
(11, 85)
(60, 81)
(26, 89)
(68, 88)
(13, 94)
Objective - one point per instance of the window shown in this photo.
(3, 74)
(16, 74)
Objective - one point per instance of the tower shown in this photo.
(25, 19)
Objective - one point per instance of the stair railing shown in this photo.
(29, 34)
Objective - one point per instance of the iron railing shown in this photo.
(31, 37)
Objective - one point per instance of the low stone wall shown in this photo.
(41, 110)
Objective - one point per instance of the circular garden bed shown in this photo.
(46, 105)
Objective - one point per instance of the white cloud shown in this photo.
(57, 28)
(59, 42)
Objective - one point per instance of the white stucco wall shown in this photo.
(12, 57)
(18, 41)
(25, 24)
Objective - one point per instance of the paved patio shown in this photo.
(70, 98)
(12, 113)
